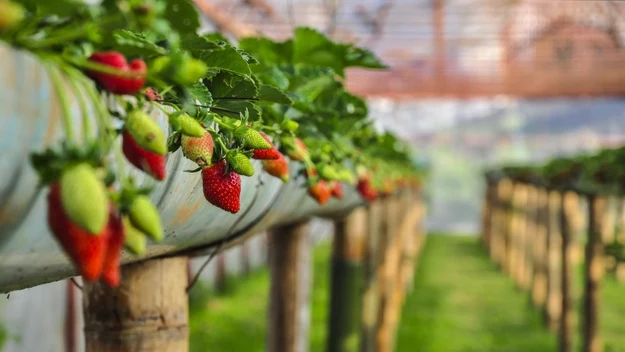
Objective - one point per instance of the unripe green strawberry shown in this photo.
(11, 14)
(298, 152)
(254, 140)
(347, 176)
(240, 163)
(144, 216)
(84, 198)
(190, 126)
(199, 150)
(190, 71)
(329, 172)
(135, 240)
(146, 132)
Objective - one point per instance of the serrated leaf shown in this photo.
(135, 44)
(182, 16)
(230, 93)
(313, 48)
(268, 52)
(359, 57)
(274, 95)
(195, 42)
(200, 93)
(228, 59)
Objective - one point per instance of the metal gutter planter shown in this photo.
(30, 256)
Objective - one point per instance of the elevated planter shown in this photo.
(29, 255)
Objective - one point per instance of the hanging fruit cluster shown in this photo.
(123, 60)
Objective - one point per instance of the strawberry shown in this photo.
(278, 168)
(11, 13)
(366, 190)
(111, 274)
(221, 188)
(253, 139)
(144, 216)
(299, 151)
(152, 94)
(152, 163)
(337, 189)
(266, 154)
(146, 132)
(240, 163)
(134, 239)
(189, 126)
(329, 172)
(84, 198)
(87, 252)
(199, 149)
(117, 84)
(320, 192)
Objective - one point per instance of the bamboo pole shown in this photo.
(346, 282)
(383, 333)
(289, 307)
(567, 210)
(554, 262)
(371, 286)
(541, 216)
(147, 312)
(594, 268)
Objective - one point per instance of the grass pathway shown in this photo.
(462, 302)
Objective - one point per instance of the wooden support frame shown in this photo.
(553, 310)
(290, 265)
(346, 282)
(594, 268)
(567, 212)
(147, 312)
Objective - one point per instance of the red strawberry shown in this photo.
(278, 168)
(222, 189)
(111, 274)
(337, 189)
(300, 151)
(366, 190)
(86, 251)
(152, 163)
(152, 94)
(198, 149)
(266, 154)
(320, 192)
(117, 84)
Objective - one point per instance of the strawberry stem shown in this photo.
(101, 68)
(57, 82)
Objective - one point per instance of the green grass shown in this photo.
(462, 302)
(235, 320)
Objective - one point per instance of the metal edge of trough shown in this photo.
(29, 255)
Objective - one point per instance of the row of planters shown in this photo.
(535, 222)
(127, 128)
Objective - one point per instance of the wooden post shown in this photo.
(147, 312)
(487, 214)
(221, 273)
(371, 286)
(553, 309)
(593, 272)
(568, 247)
(541, 216)
(346, 282)
(386, 273)
(529, 237)
(289, 307)
(245, 257)
(505, 221)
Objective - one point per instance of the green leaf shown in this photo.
(268, 52)
(195, 42)
(135, 44)
(359, 57)
(200, 94)
(61, 8)
(274, 95)
(228, 59)
(313, 48)
(230, 93)
(183, 16)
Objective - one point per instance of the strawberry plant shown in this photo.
(225, 104)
